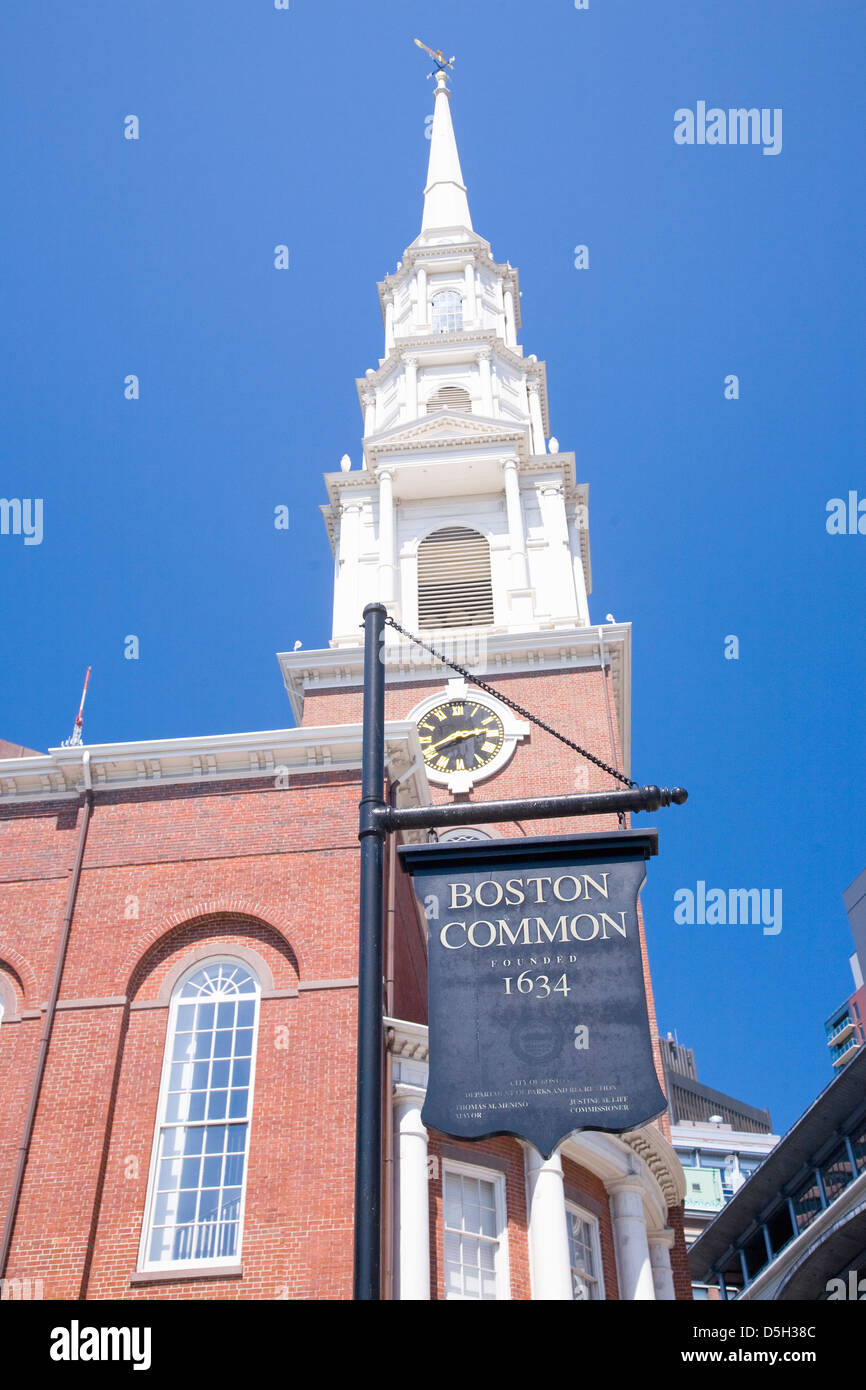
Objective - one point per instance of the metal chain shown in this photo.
(497, 694)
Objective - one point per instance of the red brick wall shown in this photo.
(221, 865)
(679, 1258)
(298, 1215)
(37, 849)
(573, 702)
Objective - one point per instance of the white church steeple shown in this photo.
(459, 517)
(445, 201)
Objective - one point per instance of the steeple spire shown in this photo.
(445, 202)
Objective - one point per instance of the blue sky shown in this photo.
(707, 516)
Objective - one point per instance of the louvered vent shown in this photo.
(450, 398)
(454, 588)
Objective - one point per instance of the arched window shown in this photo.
(454, 587)
(463, 832)
(195, 1203)
(447, 312)
(8, 1000)
(450, 398)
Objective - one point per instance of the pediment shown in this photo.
(447, 425)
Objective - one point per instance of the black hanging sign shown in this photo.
(538, 1020)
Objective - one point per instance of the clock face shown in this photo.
(460, 735)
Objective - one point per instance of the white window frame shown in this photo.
(592, 1221)
(501, 1267)
(145, 1265)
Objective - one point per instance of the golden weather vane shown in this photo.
(442, 63)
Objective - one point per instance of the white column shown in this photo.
(538, 444)
(422, 316)
(548, 1232)
(562, 597)
(411, 1197)
(386, 535)
(486, 387)
(411, 364)
(389, 326)
(579, 521)
(510, 333)
(347, 573)
(470, 312)
(500, 317)
(660, 1243)
(369, 399)
(630, 1239)
(519, 577)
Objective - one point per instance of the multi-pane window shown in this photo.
(474, 1235)
(197, 1183)
(584, 1255)
(447, 312)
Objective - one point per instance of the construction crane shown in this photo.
(75, 738)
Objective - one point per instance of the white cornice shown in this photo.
(419, 437)
(723, 1139)
(449, 435)
(412, 444)
(651, 1145)
(472, 247)
(506, 654)
(406, 1039)
(212, 758)
(417, 344)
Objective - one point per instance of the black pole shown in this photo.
(371, 833)
(530, 808)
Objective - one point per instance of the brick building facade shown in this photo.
(178, 919)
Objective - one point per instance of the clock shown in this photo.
(465, 735)
(460, 735)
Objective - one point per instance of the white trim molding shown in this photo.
(278, 754)
(471, 1170)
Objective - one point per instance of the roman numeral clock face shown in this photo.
(460, 736)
